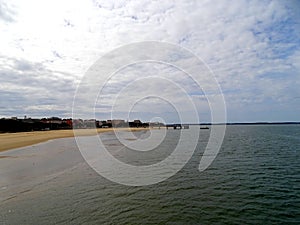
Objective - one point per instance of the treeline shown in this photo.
(24, 125)
(55, 123)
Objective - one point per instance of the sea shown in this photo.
(254, 179)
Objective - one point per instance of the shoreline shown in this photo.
(11, 141)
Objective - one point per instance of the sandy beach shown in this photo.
(16, 140)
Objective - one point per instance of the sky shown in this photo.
(251, 48)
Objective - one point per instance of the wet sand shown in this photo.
(26, 171)
(16, 140)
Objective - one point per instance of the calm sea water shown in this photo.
(255, 179)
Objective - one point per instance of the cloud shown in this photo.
(6, 12)
(252, 47)
(29, 88)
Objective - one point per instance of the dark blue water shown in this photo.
(255, 179)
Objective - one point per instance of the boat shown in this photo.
(204, 128)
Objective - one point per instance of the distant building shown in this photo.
(89, 123)
(77, 123)
(52, 120)
(137, 121)
(118, 123)
(14, 124)
(69, 122)
(156, 124)
(104, 124)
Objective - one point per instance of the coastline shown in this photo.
(22, 139)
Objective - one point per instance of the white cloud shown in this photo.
(46, 46)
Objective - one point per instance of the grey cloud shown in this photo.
(6, 12)
(29, 88)
(24, 65)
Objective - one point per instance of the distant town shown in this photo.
(15, 124)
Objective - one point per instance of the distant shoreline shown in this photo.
(244, 123)
(22, 139)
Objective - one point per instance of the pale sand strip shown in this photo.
(16, 140)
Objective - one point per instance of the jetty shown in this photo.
(177, 126)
